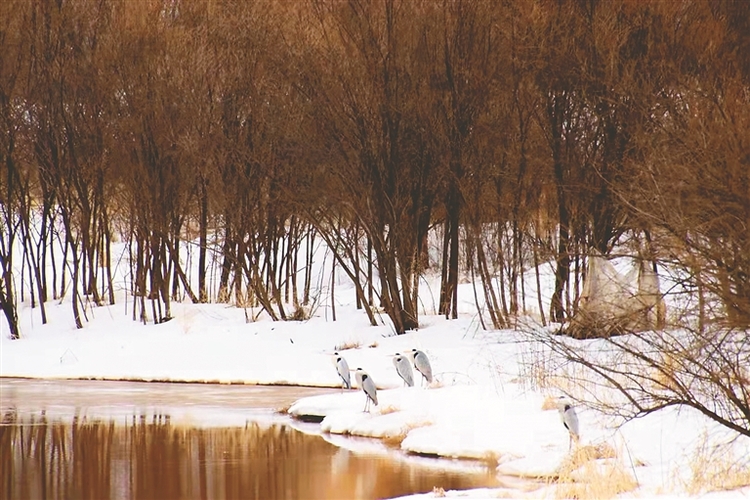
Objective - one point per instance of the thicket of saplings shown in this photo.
(522, 133)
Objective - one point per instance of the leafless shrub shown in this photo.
(637, 374)
(717, 468)
(300, 313)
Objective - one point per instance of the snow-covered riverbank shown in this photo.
(489, 401)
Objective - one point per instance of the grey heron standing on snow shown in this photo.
(422, 364)
(342, 367)
(403, 368)
(569, 419)
(368, 386)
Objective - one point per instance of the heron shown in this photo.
(422, 364)
(403, 368)
(368, 386)
(342, 367)
(569, 419)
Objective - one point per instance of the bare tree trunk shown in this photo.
(76, 265)
(501, 256)
(140, 273)
(288, 258)
(513, 271)
(295, 262)
(52, 260)
(63, 265)
(535, 251)
(173, 252)
(356, 263)
(310, 250)
(202, 242)
(489, 290)
(333, 288)
(41, 250)
(370, 288)
(34, 265)
(470, 265)
(443, 303)
(557, 310)
(7, 298)
(7, 303)
(229, 252)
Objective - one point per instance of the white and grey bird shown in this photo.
(368, 386)
(569, 419)
(342, 368)
(403, 368)
(422, 364)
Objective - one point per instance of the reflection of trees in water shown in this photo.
(153, 458)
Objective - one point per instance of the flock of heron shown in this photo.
(403, 363)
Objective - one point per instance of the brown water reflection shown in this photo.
(41, 457)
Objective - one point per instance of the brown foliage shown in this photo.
(560, 126)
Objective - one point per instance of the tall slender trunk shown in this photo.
(489, 290)
(74, 281)
(288, 257)
(535, 252)
(7, 303)
(453, 262)
(53, 261)
(308, 265)
(370, 288)
(562, 272)
(7, 296)
(108, 260)
(443, 301)
(63, 266)
(76, 266)
(295, 262)
(35, 267)
(555, 108)
(174, 256)
(356, 263)
(226, 263)
(42, 253)
(333, 288)
(202, 242)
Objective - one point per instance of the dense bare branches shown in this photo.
(524, 131)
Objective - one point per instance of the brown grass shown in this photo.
(348, 345)
(491, 459)
(593, 472)
(716, 468)
(385, 410)
(300, 313)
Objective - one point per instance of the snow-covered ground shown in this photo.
(492, 398)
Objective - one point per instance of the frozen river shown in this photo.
(97, 439)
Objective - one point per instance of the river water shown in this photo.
(99, 440)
